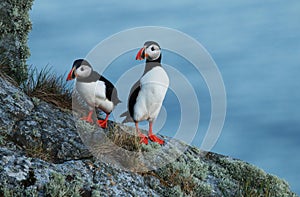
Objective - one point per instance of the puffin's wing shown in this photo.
(134, 92)
(100, 90)
(110, 91)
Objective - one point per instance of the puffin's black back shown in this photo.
(110, 90)
(134, 92)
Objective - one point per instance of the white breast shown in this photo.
(154, 85)
(94, 95)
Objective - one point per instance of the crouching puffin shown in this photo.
(147, 94)
(95, 89)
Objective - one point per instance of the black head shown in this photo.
(79, 63)
(151, 51)
(148, 43)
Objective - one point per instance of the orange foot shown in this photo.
(102, 123)
(144, 139)
(154, 138)
(88, 119)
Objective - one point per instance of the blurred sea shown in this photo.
(256, 45)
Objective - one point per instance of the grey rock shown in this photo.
(15, 104)
(15, 26)
(42, 154)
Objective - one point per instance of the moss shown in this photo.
(32, 192)
(39, 151)
(84, 127)
(201, 189)
(36, 101)
(96, 193)
(7, 190)
(248, 180)
(2, 139)
(35, 132)
(198, 168)
(152, 146)
(14, 28)
(63, 186)
(173, 191)
(188, 176)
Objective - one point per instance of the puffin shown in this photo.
(147, 94)
(95, 90)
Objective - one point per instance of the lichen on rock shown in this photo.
(42, 154)
(15, 26)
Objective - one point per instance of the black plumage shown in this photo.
(110, 90)
(135, 89)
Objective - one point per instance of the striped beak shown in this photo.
(71, 74)
(141, 54)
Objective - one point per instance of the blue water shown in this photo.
(256, 45)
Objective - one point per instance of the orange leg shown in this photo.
(103, 123)
(144, 139)
(153, 137)
(89, 117)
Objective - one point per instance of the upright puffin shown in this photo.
(95, 89)
(147, 94)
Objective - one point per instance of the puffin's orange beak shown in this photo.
(141, 54)
(71, 74)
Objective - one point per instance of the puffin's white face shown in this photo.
(83, 71)
(153, 52)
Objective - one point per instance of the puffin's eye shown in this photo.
(82, 69)
(152, 49)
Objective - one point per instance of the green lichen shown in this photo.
(14, 28)
(151, 147)
(173, 191)
(63, 186)
(36, 101)
(16, 96)
(38, 150)
(85, 127)
(35, 132)
(96, 193)
(242, 179)
(2, 139)
(3, 136)
(7, 190)
(188, 175)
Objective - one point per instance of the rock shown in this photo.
(14, 105)
(15, 26)
(42, 154)
(38, 128)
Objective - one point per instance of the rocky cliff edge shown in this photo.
(42, 154)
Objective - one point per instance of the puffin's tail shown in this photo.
(116, 100)
(127, 117)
